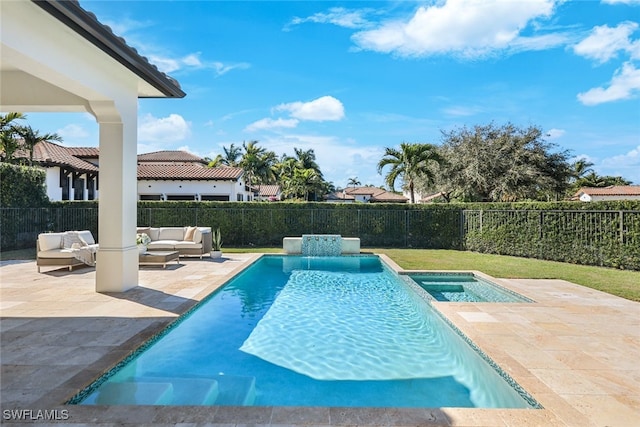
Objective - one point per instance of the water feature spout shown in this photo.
(321, 244)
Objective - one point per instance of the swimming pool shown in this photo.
(304, 331)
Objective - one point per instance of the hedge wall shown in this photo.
(607, 234)
(602, 233)
(265, 224)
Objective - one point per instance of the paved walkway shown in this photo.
(576, 351)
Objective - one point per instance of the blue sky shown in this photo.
(347, 79)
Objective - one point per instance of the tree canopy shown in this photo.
(491, 163)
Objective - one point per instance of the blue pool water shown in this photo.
(305, 331)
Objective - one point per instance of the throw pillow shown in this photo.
(189, 234)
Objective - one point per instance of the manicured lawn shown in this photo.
(625, 284)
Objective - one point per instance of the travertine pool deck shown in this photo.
(575, 350)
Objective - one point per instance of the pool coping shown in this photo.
(561, 408)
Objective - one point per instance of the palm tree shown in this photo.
(580, 168)
(353, 182)
(6, 119)
(250, 160)
(307, 160)
(258, 164)
(306, 182)
(410, 163)
(31, 137)
(231, 155)
(9, 144)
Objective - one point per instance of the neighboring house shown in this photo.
(72, 174)
(365, 195)
(268, 193)
(178, 175)
(613, 192)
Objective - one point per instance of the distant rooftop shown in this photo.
(612, 190)
(170, 156)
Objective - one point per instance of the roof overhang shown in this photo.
(67, 61)
(87, 26)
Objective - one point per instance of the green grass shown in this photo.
(625, 284)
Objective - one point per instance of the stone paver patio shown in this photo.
(576, 351)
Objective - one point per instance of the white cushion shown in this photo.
(154, 233)
(56, 253)
(48, 241)
(171, 233)
(162, 245)
(187, 244)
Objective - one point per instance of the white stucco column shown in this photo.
(117, 262)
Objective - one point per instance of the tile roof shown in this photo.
(170, 156)
(612, 190)
(339, 195)
(386, 196)
(160, 165)
(269, 190)
(377, 194)
(89, 152)
(49, 153)
(363, 191)
(187, 172)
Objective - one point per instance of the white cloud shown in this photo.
(163, 130)
(555, 133)
(625, 84)
(72, 131)
(462, 111)
(192, 61)
(267, 123)
(326, 108)
(621, 1)
(222, 68)
(468, 28)
(337, 16)
(626, 165)
(604, 42)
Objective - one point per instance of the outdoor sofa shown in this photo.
(188, 241)
(66, 249)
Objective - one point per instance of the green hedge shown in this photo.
(22, 186)
(607, 234)
(266, 224)
(603, 233)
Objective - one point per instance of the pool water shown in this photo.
(464, 287)
(304, 331)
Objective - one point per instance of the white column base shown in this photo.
(117, 269)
